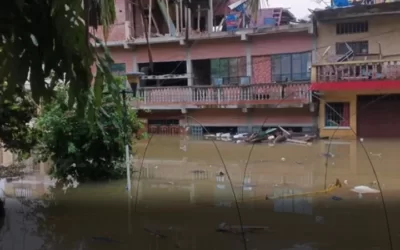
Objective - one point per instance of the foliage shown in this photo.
(42, 39)
(16, 111)
(49, 39)
(77, 147)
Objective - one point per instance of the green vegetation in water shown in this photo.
(144, 136)
(80, 149)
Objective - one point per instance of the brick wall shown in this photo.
(261, 69)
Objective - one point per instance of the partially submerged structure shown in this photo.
(356, 69)
(215, 63)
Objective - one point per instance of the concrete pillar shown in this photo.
(314, 47)
(210, 21)
(135, 65)
(189, 67)
(248, 59)
(135, 68)
(249, 120)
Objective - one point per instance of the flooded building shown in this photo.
(214, 65)
(356, 71)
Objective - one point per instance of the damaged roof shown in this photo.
(355, 11)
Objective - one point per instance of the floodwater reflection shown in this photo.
(182, 200)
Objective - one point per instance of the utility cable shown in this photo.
(243, 233)
(326, 164)
(388, 228)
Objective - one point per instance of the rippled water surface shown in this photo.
(181, 201)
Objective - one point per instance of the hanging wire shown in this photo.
(390, 240)
(243, 233)
(249, 157)
(387, 222)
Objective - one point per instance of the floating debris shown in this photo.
(328, 190)
(336, 198)
(379, 155)
(226, 228)
(328, 155)
(365, 190)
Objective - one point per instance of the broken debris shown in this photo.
(226, 228)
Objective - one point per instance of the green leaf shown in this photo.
(98, 88)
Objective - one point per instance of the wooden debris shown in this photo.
(331, 187)
(226, 228)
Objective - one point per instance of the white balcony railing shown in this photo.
(356, 71)
(225, 95)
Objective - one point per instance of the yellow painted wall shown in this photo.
(382, 29)
(350, 97)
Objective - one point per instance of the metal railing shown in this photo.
(224, 95)
(356, 71)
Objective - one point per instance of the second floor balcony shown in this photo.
(222, 96)
(357, 75)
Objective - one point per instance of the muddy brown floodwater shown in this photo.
(180, 201)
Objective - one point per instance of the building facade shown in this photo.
(356, 74)
(227, 72)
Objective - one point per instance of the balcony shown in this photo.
(224, 96)
(357, 75)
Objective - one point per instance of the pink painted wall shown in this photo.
(264, 46)
(261, 49)
(255, 117)
(218, 48)
(117, 31)
(282, 116)
(161, 53)
(281, 43)
(121, 55)
(217, 117)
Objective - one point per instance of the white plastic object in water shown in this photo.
(240, 136)
(365, 190)
(226, 135)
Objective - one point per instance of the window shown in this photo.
(291, 67)
(225, 67)
(337, 114)
(118, 68)
(226, 71)
(351, 28)
(359, 48)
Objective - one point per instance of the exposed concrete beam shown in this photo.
(213, 35)
(189, 67)
(210, 23)
(248, 59)
(135, 64)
